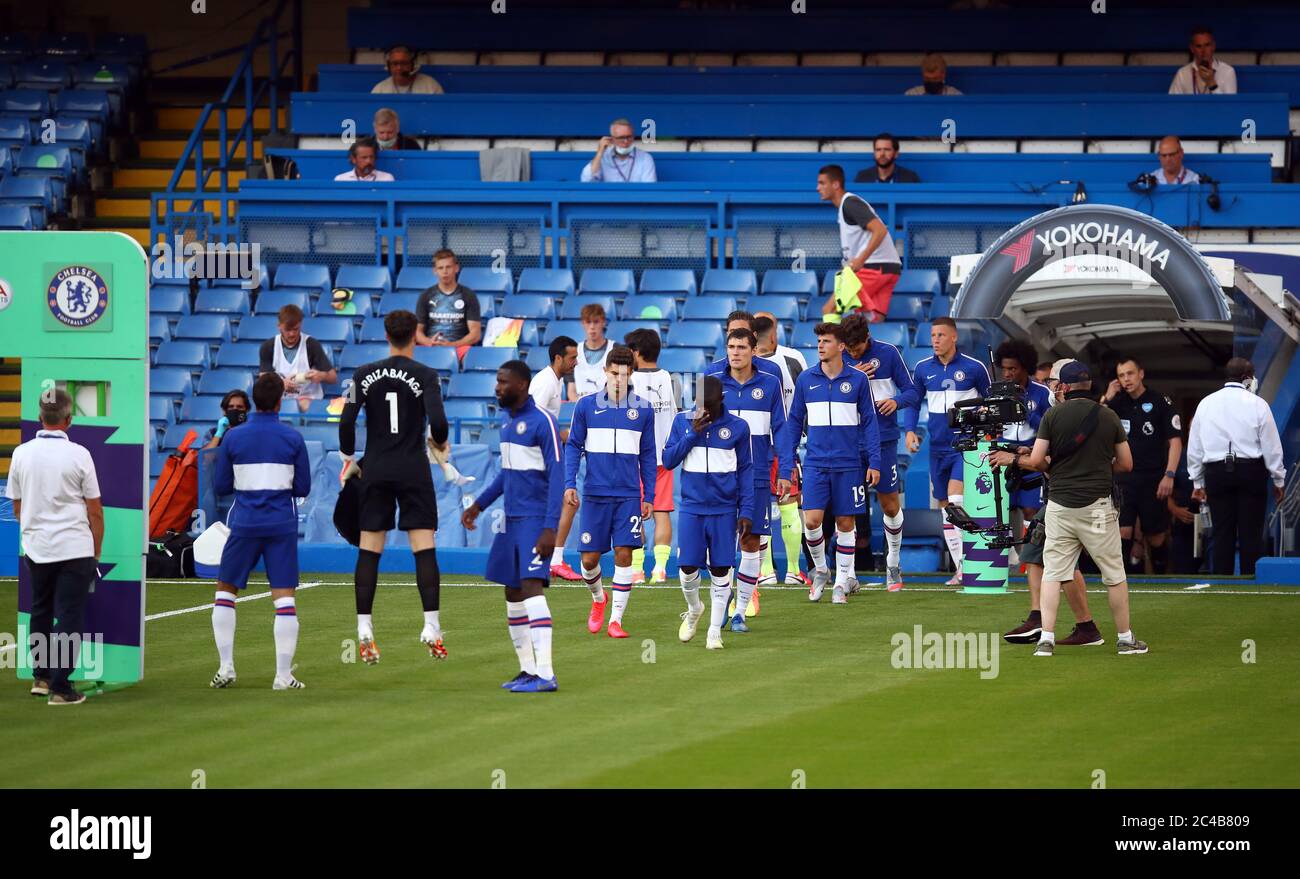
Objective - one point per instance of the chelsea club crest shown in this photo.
(77, 296)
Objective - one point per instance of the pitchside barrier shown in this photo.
(74, 309)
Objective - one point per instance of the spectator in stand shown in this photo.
(1204, 74)
(388, 132)
(1171, 170)
(885, 170)
(618, 160)
(404, 77)
(865, 246)
(589, 371)
(934, 76)
(298, 359)
(362, 155)
(448, 311)
(234, 408)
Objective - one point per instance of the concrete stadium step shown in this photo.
(10, 411)
(137, 228)
(157, 178)
(135, 204)
(171, 146)
(185, 118)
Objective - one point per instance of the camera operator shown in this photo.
(1016, 359)
(234, 406)
(1087, 445)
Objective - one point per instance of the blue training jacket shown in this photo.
(839, 416)
(717, 467)
(532, 466)
(964, 378)
(760, 404)
(264, 462)
(890, 380)
(618, 439)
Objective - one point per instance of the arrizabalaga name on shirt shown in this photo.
(399, 374)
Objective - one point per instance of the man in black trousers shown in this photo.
(55, 491)
(1233, 453)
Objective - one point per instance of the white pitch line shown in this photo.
(198, 607)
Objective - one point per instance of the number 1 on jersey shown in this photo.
(391, 397)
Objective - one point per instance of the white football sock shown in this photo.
(223, 628)
(431, 622)
(691, 589)
(894, 539)
(286, 636)
(517, 620)
(592, 578)
(952, 534)
(846, 548)
(364, 629)
(721, 595)
(622, 589)
(539, 626)
(1048, 637)
(557, 557)
(816, 546)
(747, 579)
(1125, 636)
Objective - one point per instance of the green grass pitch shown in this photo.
(809, 697)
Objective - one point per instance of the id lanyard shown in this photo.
(630, 168)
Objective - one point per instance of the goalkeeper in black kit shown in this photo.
(405, 428)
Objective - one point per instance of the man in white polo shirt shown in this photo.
(56, 499)
(362, 155)
(1205, 74)
(549, 391)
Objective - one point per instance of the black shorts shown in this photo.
(1141, 503)
(381, 497)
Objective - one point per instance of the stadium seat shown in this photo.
(566, 413)
(14, 131)
(940, 307)
(535, 306)
(683, 360)
(360, 302)
(549, 281)
(483, 280)
(31, 191)
(696, 335)
(29, 103)
(67, 46)
(738, 282)
(372, 330)
(261, 279)
(48, 74)
(614, 282)
(649, 306)
(419, 278)
(37, 159)
(618, 329)
(329, 330)
(75, 103)
(14, 47)
(162, 411)
(923, 282)
(174, 435)
(159, 330)
(907, 308)
(239, 354)
(487, 359)
(74, 133)
(571, 328)
(271, 301)
(487, 306)
(202, 409)
(467, 410)
(440, 358)
(398, 300)
(306, 275)
(257, 328)
(170, 380)
(222, 381)
(222, 300)
(356, 355)
(371, 279)
(784, 306)
(538, 358)
(15, 216)
(828, 282)
(895, 334)
(789, 282)
(473, 384)
(674, 282)
(325, 434)
(805, 336)
(571, 308)
(213, 328)
(714, 307)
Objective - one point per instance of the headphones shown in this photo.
(415, 58)
(1212, 199)
(1143, 184)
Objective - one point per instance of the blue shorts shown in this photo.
(762, 524)
(944, 466)
(840, 492)
(889, 482)
(513, 557)
(1028, 498)
(279, 552)
(609, 522)
(706, 540)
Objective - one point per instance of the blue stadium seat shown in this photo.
(809, 355)
(538, 358)
(237, 354)
(68, 46)
(923, 282)
(940, 307)
(683, 360)
(641, 307)
(170, 380)
(913, 355)
(29, 103)
(261, 276)
(473, 384)
(223, 381)
(223, 300)
(357, 355)
(674, 282)
(31, 191)
(325, 434)
(482, 279)
(186, 352)
(159, 330)
(789, 282)
(399, 300)
(372, 330)
(907, 308)
(74, 133)
(550, 281)
(15, 216)
(534, 306)
(784, 306)
(175, 435)
(417, 278)
(614, 282)
(738, 282)
(14, 131)
(14, 47)
(372, 279)
(828, 282)
(271, 301)
(54, 161)
(329, 330)
(571, 328)
(169, 298)
(709, 307)
(85, 104)
(895, 334)
(487, 306)
(571, 308)
(487, 359)
(805, 337)
(618, 329)
(467, 410)
(296, 274)
(162, 411)
(566, 413)
(257, 328)
(325, 306)
(212, 327)
(49, 74)
(696, 335)
(440, 358)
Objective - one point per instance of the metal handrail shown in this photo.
(1286, 510)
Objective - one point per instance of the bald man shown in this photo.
(1171, 171)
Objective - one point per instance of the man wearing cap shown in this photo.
(1087, 445)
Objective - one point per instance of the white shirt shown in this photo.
(782, 357)
(636, 167)
(662, 389)
(854, 235)
(590, 377)
(1184, 176)
(1233, 418)
(547, 391)
(920, 90)
(1187, 82)
(424, 84)
(53, 477)
(375, 176)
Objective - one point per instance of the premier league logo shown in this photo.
(1148, 428)
(520, 427)
(984, 483)
(77, 296)
(757, 393)
(724, 433)
(846, 387)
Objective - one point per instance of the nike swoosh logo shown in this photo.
(813, 387)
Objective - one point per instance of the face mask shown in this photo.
(388, 144)
(934, 88)
(1250, 383)
(623, 150)
(236, 417)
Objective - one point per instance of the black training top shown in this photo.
(399, 395)
(1150, 422)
